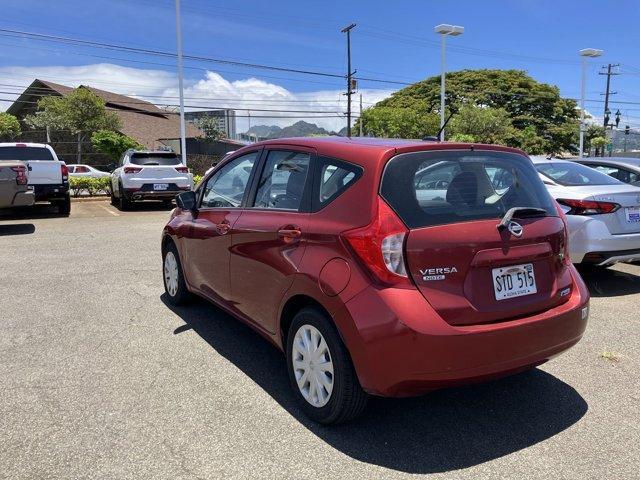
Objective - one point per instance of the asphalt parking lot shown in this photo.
(100, 378)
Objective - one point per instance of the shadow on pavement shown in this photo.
(445, 430)
(607, 282)
(17, 229)
(37, 211)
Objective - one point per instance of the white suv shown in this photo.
(148, 175)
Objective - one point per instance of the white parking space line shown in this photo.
(115, 214)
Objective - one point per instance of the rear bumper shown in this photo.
(47, 193)
(591, 242)
(400, 346)
(147, 192)
(24, 199)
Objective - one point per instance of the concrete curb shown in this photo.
(95, 198)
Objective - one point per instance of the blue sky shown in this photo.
(392, 41)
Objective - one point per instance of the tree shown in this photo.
(113, 144)
(599, 143)
(9, 126)
(398, 122)
(81, 112)
(527, 103)
(483, 124)
(209, 126)
(592, 132)
(462, 138)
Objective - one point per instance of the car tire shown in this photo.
(64, 206)
(114, 200)
(123, 202)
(173, 278)
(346, 400)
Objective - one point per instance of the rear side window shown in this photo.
(572, 174)
(154, 159)
(25, 153)
(333, 178)
(283, 180)
(438, 188)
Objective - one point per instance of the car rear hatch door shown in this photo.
(465, 270)
(469, 270)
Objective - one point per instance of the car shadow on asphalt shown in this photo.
(36, 211)
(608, 282)
(442, 431)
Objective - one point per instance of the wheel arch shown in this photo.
(293, 305)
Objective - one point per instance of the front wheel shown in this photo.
(320, 370)
(174, 284)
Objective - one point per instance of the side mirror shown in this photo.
(187, 201)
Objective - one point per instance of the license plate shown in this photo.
(160, 186)
(632, 214)
(513, 281)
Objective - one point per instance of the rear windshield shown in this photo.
(155, 159)
(573, 174)
(25, 153)
(437, 188)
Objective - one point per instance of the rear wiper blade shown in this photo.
(520, 212)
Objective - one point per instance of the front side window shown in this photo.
(283, 180)
(571, 174)
(81, 169)
(226, 188)
(438, 188)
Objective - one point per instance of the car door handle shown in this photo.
(290, 232)
(223, 227)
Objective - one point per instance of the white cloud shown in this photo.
(211, 91)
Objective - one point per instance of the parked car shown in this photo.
(86, 171)
(626, 170)
(148, 175)
(332, 249)
(14, 191)
(48, 176)
(603, 213)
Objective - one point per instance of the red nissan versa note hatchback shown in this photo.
(381, 267)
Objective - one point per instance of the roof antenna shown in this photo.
(436, 138)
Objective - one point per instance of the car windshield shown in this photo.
(571, 174)
(438, 188)
(25, 153)
(155, 159)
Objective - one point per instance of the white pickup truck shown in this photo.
(48, 176)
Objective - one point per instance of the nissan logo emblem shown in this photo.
(515, 229)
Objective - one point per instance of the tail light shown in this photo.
(21, 175)
(65, 172)
(380, 246)
(563, 254)
(588, 207)
(182, 169)
(132, 169)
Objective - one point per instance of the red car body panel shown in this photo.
(402, 341)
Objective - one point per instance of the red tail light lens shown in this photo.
(132, 169)
(182, 169)
(380, 246)
(65, 172)
(564, 248)
(21, 175)
(588, 207)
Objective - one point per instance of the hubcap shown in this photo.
(171, 273)
(312, 365)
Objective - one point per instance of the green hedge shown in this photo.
(196, 180)
(93, 186)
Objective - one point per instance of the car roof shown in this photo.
(628, 161)
(371, 149)
(26, 144)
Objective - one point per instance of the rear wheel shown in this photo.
(174, 284)
(64, 206)
(123, 202)
(320, 370)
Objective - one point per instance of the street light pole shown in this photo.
(585, 53)
(183, 132)
(445, 30)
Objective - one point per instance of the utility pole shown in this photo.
(183, 131)
(347, 30)
(608, 92)
(361, 120)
